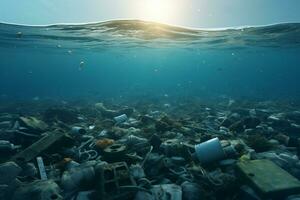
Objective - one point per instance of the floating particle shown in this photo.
(230, 102)
(19, 34)
(91, 127)
(167, 105)
(36, 98)
(81, 65)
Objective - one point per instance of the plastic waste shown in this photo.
(167, 191)
(29, 170)
(6, 146)
(41, 167)
(77, 130)
(85, 195)
(161, 192)
(209, 151)
(78, 177)
(9, 171)
(121, 118)
(137, 172)
(191, 191)
(39, 190)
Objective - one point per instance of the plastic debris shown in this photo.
(209, 151)
(120, 119)
(92, 153)
(41, 167)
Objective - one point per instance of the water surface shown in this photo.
(130, 58)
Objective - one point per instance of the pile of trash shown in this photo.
(183, 151)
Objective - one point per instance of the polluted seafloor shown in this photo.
(139, 110)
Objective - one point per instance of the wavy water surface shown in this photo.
(136, 33)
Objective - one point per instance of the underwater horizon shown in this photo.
(135, 58)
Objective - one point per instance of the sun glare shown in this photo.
(164, 11)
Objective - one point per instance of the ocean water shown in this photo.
(140, 85)
(135, 59)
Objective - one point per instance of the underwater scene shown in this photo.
(136, 109)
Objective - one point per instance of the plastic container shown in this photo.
(121, 118)
(77, 130)
(209, 151)
(167, 191)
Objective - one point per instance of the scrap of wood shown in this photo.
(36, 148)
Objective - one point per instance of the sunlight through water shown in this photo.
(166, 11)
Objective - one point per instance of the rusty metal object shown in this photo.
(113, 178)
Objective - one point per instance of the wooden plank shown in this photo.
(36, 148)
(268, 179)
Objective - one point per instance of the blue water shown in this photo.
(137, 59)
